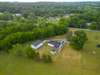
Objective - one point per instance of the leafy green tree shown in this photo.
(31, 53)
(6, 16)
(17, 50)
(78, 40)
(77, 21)
(64, 21)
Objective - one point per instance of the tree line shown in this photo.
(89, 19)
(47, 9)
(21, 33)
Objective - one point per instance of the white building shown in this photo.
(57, 45)
(37, 44)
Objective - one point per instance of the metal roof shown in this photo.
(55, 43)
(37, 42)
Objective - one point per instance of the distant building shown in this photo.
(88, 24)
(56, 45)
(17, 14)
(37, 44)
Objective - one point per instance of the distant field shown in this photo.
(68, 62)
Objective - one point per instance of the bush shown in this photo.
(31, 53)
(18, 50)
(24, 51)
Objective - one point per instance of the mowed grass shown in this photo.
(68, 62)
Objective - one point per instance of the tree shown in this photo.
(78, 40)
(77, 21)
(6, 16)
(17, 50)
(64, 21)
(31, 53)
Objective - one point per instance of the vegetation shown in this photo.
(69, 61)
(81, 13)
(25, 51)
(13, 34)
(78, 40)
(23, 23)
(31, 53)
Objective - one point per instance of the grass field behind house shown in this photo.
(68, 62)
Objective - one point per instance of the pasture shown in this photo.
(68, 62)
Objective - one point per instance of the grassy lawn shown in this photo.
(68, 62)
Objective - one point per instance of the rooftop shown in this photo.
(37, 42)
(55, 43)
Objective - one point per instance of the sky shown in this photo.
(46, 0)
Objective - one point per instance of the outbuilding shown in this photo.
(37, 44)
(57, 45)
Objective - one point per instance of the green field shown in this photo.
(68, 62)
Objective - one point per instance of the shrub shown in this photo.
(31, 53)
(17, 50)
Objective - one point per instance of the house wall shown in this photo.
(53, 53)
(50, 45)
(61, 46)
(59, 49)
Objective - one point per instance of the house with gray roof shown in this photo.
(37, 44)
(56, 45)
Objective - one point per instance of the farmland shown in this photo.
(69, 61)
(25, 26)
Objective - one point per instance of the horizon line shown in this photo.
(46, 1)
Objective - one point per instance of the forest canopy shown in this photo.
(23, 22)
